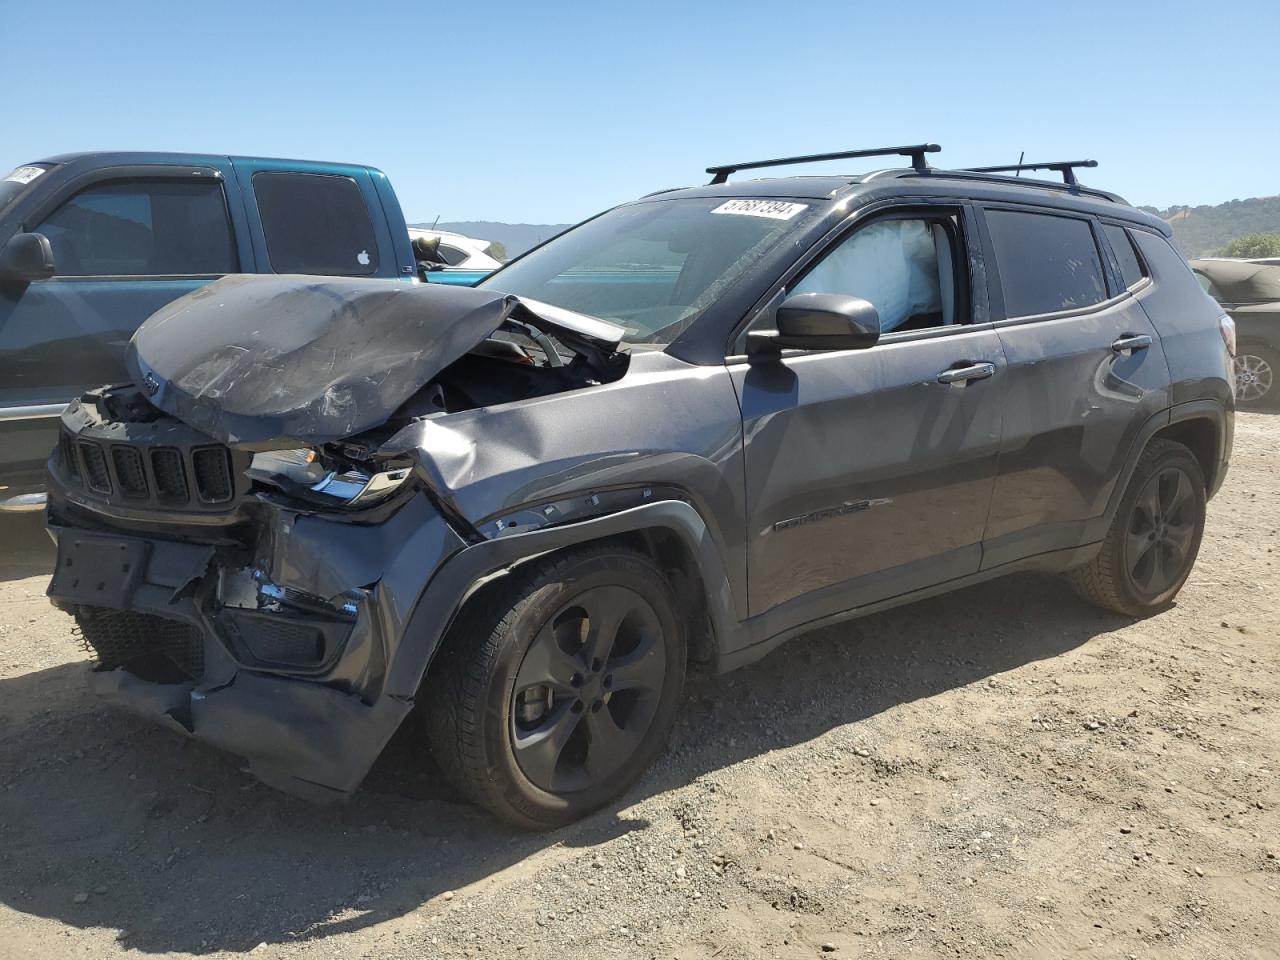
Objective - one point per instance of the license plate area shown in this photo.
(102, 571)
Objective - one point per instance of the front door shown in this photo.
(869, 472)
(123, 248)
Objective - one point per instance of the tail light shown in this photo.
(1227, 327)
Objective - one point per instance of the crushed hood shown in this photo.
(263, 361)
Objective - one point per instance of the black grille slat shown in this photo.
(95, 467)
(130, 473)
(69, 458)
(171, 479)
(212, 468)
(137, 458)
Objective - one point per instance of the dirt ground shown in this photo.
(1001, 772)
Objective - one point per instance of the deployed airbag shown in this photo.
(891, 264)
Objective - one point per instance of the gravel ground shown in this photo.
(1001, 772)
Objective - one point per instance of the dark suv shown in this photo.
(683, 431)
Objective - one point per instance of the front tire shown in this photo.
(558, 685)
(1152, 543)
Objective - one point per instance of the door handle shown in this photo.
(961, 375)
(1130, 342)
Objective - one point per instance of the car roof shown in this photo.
(939, 182)
(143, 157)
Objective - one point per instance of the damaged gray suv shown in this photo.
(681, 432)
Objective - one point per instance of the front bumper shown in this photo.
(272, 637)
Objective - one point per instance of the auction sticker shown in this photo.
(773, 209)
(24, 174)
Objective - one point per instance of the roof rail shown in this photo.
(915, 151)
(1064, 167)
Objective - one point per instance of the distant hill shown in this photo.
(1204, 231)
(1198, 231)
(516, 237)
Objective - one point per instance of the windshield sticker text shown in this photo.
(773, 209)
(24, 174)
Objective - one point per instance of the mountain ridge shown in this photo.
(1198, 231)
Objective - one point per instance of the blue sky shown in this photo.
(548, 112)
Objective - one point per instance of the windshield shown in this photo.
(652, 267)
(17, 182)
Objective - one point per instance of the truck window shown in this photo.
(453, 256)
(316, 223)
(133, 228)
(1047, 263)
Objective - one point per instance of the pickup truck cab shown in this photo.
(91, 244)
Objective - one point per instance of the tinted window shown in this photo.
(143, 228)
(452, 255)
(1131, 269)
(1046, 263)
(902, 267)
(316, 224)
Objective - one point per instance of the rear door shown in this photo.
(325, 221)
(869, 472)
(1086, 371)
(126, 241)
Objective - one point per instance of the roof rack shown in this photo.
(915, 151)
(1064, 167)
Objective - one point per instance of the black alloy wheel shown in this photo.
(1151, 546)
(587, 690)
(1162, 532)
(558, 685)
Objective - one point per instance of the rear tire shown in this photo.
(1152, 543)
(1257, 370)
(558, 685)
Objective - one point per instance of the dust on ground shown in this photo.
(1000, 772)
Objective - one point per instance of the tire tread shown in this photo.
(454, 701)
(1101, 580)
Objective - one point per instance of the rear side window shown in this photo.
(143, 228)
(316, 223)
(1131, 269)
(1047, 263)
(452, 255)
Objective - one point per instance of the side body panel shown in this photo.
(866, 477)
(1187, 320)
(666, 424)
(1257, 323)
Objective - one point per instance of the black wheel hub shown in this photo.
(1161, 533)
(587, 689)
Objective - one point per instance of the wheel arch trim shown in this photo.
(1210, 410)
(469, 569)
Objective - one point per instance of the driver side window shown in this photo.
(906, 267)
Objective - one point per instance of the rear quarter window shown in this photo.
(1131, 269)
(1047, 263)
(316, 224)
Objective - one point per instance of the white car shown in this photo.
(458, 251)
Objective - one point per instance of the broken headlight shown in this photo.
(310, 473)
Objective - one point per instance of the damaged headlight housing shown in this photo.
(311, 473)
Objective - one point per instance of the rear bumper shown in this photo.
(274, 645)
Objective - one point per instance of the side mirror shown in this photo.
(26, 257)
(819, 321)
